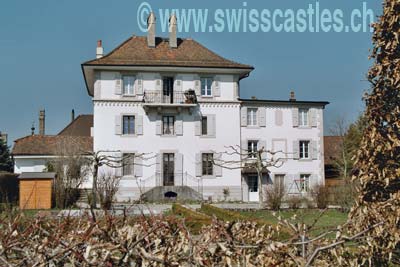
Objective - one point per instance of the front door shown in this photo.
(168, 90)
(168, 169)
(252, 182)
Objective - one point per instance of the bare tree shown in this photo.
(259, 161)
(112, 159)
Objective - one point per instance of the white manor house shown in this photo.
(176, 100)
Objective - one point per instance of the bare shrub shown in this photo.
(226, 193)
(320, 195)
(274, 196)
(344, 196)
(107, 188)
(294, 202)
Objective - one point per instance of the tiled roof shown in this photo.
(79, 127)
(332, 146)
(51, 144)
(189, 53)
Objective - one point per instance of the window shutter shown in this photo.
(218, 169)
(179, 126)
(178, 84)
(139, 85)
(178, 168)
(158, 164)
(278, 118)
(296, 149)
(138, 161)
(197, 85)
(118, 84)
(211, 124)
(216, 87)
(139, 124)
(295, 117)
(244, 147)
(313, 117)
(243, 117)
(262, 144)
(261, 116)
(158, 83)
(97, 85)
(158, 126)
(198, 165)
(118, 171)
(118, 127)
(197, 125)
(314, 149)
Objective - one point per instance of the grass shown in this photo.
(329, 220)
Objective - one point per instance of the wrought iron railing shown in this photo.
(158, 97)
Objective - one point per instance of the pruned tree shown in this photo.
(260, 161)
(378, 159)
(111, 159)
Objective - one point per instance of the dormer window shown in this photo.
(206, 84)
(128, 82)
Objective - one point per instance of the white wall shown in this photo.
(282, 136)
(29, 164)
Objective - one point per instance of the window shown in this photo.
(304, 147)
(168, 125)
(128, 124)
(304, 183)
(128, 84)
(204, 129)
(128, 164)
(252, 116)
(303, 117)
(207, 163)
(206, 84)
(252, 149)
(279, 182)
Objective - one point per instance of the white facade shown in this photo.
(276, 128)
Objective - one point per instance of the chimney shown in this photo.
(42, 125)
(151, 30)
(292, 96)
(73, 115)
(173, 42)
(99, 49)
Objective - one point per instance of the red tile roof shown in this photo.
(51, 144)
(189, 53)
(79, 127)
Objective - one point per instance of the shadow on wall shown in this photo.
(8, 188)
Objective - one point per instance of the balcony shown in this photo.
(159, 100)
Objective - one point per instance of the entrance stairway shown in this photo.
(171, 193)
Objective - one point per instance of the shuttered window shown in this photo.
(251, 116)
(304, 149)
(168, 125)
(128, 164)
(128, 125)
(207, 164)
(204, 130)
(303, 117)
(304, 183)
(252, 149)
(206, 85)
(128, 83)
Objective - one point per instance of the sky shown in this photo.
(43, 43)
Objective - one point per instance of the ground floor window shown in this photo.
(128, 164)
(304, 183)
(207, 163)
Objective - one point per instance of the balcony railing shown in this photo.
(158, 97)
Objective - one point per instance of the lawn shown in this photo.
(330, 219)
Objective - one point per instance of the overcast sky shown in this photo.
(43, 43)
